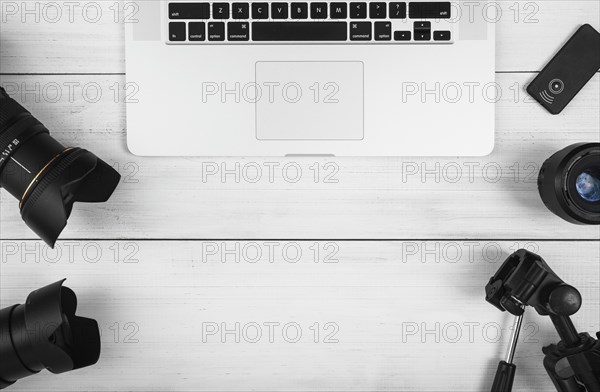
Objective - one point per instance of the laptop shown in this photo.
(338, 78)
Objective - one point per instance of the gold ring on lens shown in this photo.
(39, 175)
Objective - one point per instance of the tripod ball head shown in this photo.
(526, 279)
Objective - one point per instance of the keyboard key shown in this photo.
(398, 10)
(299, 31)
(197, 31)
(177, 31)
(422, 31)
(189, 10)
(338, 10)
(260, 10)
(216, 31)
(441, 35)
(299, 10)
(383, 31)
(318, 10)
(429, 10)
(358, 10)
(238, 31)
(220, 10)
(422, 35)
(240, 10)
(360, 31)
(279, 10)
(377, 10)
(402, 35)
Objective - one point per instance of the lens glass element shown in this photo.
(588, 186)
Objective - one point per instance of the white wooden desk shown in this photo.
(202, 281)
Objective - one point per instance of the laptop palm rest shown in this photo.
(308, 100)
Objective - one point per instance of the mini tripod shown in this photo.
(525, 279)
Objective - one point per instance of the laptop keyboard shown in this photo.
(309, 22)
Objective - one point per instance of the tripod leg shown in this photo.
(562, 385)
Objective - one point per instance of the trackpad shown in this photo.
(313, 100)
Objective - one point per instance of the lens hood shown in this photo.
(45, 333)
(79, 177)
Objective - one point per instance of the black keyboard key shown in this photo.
(377, 10)
(279, 10)
(383, 31)
(197, 31)
(238, 31)
(422, 31)
(299, 10)
(422, 35)
(358, 10)
(216, 31)
(402, 35)
(429, 10)
(422, 25)
(240, 10)
(442, 35)
(299, 31)
(318, 10)
(189, 11)
(260, 10)
(338, 10)
(177, 31)
(360, 31)
(398, 10)
(220, 10)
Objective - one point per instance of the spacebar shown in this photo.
(299, 31)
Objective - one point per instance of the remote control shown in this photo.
(566, 74)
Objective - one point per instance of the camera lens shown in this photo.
(45, 176)
(45, 333)
(569, 183)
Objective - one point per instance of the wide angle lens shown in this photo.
(45, 176)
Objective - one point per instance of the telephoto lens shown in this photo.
(45, 176)
(569, 183)
(44, 333)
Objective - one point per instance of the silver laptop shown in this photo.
(283, 78)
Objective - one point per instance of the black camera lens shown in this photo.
(45, 333)
(45, 176)
(569, 183)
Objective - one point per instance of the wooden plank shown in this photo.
(55, 37)
(311, 197)
(404, 316)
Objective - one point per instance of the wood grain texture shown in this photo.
(406, 316)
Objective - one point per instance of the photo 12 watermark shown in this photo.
(56, 12)
(270, 332)
(270, 172)
(270, 252)
(69, 252)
